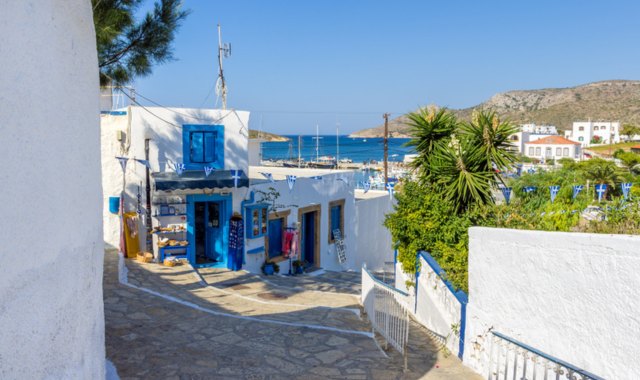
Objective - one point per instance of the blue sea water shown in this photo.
(357, 149)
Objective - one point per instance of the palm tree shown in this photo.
(432, 129)
(603, 172)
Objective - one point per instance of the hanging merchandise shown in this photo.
(179, 168)
(291, 180)
(366, 185)
(139, 202)
(576, 190)
(601, 188)
(268, 176)
(236, 242)
(553, 191)
(506, 192)
(236, 175)
(207, 170)
(625, 189)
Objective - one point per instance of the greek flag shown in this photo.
(179, 168)
(144, 162)
(268, 176)
(625, 189)
(576, 190)
(600, 190)
(236, 175)
(506, 191)
(291, 180)
(123, 162)
(530, 189)
(553, 191)
(519, 170)
(207, 170)
(390, 188)
(531, 171)
(366, 186)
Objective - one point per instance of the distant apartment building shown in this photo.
(588, 133)
(531, 132)
(553, 147)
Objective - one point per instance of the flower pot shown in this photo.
(268, 269)
(299, 270)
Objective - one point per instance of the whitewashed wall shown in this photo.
(306, 192)
(165, 146)
(571, 295)
(51, 310)
(374, 243)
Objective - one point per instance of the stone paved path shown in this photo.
(154, 337)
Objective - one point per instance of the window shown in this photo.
(580, 128)
(336, 218)
(565, 152)
(256, 220)
(580, 138)
(203, 145)
(538, 151)
(595, 128)
(548, 152)
(514, 138)
(530, 151)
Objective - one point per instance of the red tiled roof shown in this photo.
(635, 147)
(554, 140)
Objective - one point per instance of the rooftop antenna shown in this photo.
(224, 51)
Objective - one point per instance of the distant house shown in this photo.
(587, 133)
(635, 149)
(531, 132)
(553, 147)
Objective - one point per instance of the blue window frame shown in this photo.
(336, 218)
(203, 145)
(256, 220)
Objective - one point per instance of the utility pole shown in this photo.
(386, 149)
(223, 51)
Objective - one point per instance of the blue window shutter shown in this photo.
(335, 218)
(209, 147)
(275, 238)
(196, 145)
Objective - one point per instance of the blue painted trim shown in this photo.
(114, 113)
(393, 289)
(415, 306)
(255, 250)
(548, 357)
(461, 296)
(225, 217)
(248, 211)
(218, 163)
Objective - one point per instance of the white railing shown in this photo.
(510, 359)
(386, 308)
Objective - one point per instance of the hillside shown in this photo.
(617, 100)
(253, 134)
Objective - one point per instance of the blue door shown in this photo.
(209, 242)
(275, 237)
(308, 237)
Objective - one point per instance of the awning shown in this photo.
(197, 179)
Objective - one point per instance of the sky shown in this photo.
(331, 63)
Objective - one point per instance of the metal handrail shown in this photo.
(548, 357)
(380, 282)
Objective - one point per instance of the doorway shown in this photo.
(207, 230)
(309, 219)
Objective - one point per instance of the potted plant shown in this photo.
(269, 267)
(298, 267)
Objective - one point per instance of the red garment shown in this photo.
(287, 242)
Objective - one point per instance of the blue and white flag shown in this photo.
(576, 190)
(530, 189)
(236, 175)
(626, 186)
(144, 162)
(390, 187)
(506, 191)
(317, 177)
(601, 188)
(291, 180)
(553, 191)
(178, 167)
(123, 162)
(519, 170)
(207, 170)
(531, 171)
(268, 176)
(366, 186)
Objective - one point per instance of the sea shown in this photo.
(357, 149)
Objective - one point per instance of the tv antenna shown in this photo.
(224, 51)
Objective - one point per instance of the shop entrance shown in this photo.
(309, 218)
(207, 229)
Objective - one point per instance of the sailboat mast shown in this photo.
(337, 145)
(299, 150)
(317, 144)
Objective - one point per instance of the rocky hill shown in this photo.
(253, 134)
(617, 100)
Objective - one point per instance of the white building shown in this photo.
(204, 217)
(586, 132)
(51, 307)
(553, 147)
(539, 129)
